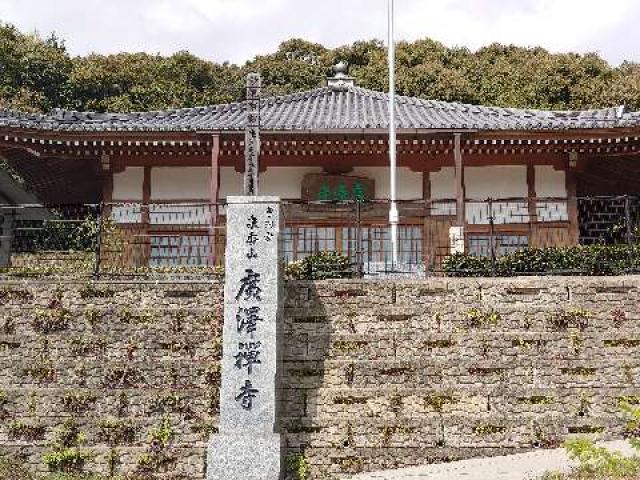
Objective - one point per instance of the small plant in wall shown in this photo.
(26, 431)
(116, 432)
(173, 402)
(92, 316)
(4, 402)
(162, 434)
(41, 369)
(8, 294)
(576, 341)
(482, 318)
(205, 428)
(66, 455)
(121, 377)
(51, 320)
(585, 406)
(574, 317)
(143, 317)
(297, 465)
(618, 316)
(158, 456)
(78, 401)
(113, 461)
(489, 429)
(91, 290)
(437, 402)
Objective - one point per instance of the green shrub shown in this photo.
(66, 455)
(596, 462)
(577, 260)
(64, 232)
(297, 465)
(321, 266)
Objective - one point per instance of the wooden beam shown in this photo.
(460, 191)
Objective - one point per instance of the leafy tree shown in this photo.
(33, 70)
(37, 74)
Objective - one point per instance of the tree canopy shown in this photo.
(38, 74)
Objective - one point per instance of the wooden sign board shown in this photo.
(337, 188)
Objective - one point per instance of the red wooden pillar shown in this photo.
(145, 233)
(460, 190)
(531, 192)
(572, 197)
(215, 198)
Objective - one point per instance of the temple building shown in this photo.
(327, 146)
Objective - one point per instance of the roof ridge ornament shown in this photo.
(341, 81)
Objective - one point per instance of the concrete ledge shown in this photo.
(523, 466)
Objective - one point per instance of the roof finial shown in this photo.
(341, 81)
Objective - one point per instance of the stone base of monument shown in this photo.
(245, 457)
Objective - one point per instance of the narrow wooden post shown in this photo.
(215, 198)
(531, 193)
(457, 232)
(572, 199)
(460, 193)
(252, 136)
(145, 236)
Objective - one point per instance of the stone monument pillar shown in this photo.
(247, 446)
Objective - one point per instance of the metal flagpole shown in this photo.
(393, 210)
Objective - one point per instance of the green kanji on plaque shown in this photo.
(359, 194)
(324, 194)
(342, 193)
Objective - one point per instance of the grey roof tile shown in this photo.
(326, 109)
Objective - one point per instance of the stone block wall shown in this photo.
(386, 374)
(134, 366)
(377, 374)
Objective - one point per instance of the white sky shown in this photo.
(236, 30)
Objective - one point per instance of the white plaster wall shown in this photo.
(231, 182)
(497, 181)
(409, 183)
(551, 183)
(284, 182)
(180, 183)
(127, 185)
(443, 187)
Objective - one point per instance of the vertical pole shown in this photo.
(99, 219)
(572, 199)
(7, 224)
(145, 235)
(459, 168)
(214, 198)
(359, 256)
(252, 135)
(629, 230)
(627, 220)
(492, 236)
(393, 211)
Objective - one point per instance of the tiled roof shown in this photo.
(326, 109)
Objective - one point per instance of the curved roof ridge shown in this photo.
(427, 102)
(325, 108)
